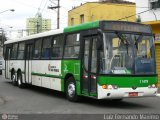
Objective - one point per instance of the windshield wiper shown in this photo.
(124, 41)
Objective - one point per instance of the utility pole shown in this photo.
(58, 12)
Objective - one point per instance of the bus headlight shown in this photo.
(152, 86)
(110, 87)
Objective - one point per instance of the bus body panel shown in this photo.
(124, 92)
(7, 69)
(17, 65)
(72, 67)
(47, 73)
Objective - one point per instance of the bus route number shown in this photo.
(143, 81)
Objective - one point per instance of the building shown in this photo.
(102, 10)
(149, 13)
(38, 24)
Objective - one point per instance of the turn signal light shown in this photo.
(104, 86)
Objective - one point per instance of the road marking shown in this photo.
(158, 94)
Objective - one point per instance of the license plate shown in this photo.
(133, 94)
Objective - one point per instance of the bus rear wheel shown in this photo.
(71, 90)
(19, 80)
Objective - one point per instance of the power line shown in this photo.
(29, 5)
(41, 3)
(52, 2)
(44, 5)
(135, 14)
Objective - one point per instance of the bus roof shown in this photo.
(39, 35)
(84, 26)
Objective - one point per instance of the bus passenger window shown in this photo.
(46, 48)
(72, 46)
(37, 49)
(57, 49)
(14, 51)
(20, 51)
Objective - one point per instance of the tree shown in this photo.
(2, 38)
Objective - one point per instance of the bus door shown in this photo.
(89, 66)
(29, 49)
(7, 62)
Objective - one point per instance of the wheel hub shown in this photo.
(13, 77)
(71, 89)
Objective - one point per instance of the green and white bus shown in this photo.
(100, 59)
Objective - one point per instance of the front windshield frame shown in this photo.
(132, 51)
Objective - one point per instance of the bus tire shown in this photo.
(0, 72)
(71, 90)
(13, 78)
(19, 80)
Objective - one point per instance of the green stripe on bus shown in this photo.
(46, 75)
(85, 26)
(124, 81)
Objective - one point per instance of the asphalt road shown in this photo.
(39, 100)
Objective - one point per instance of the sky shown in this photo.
(11, 22)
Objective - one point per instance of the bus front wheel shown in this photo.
(71, 90)
(117, 100)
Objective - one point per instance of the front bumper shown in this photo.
(124, 92)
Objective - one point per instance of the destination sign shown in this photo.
(126, 26)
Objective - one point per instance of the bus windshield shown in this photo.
(127, 54)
